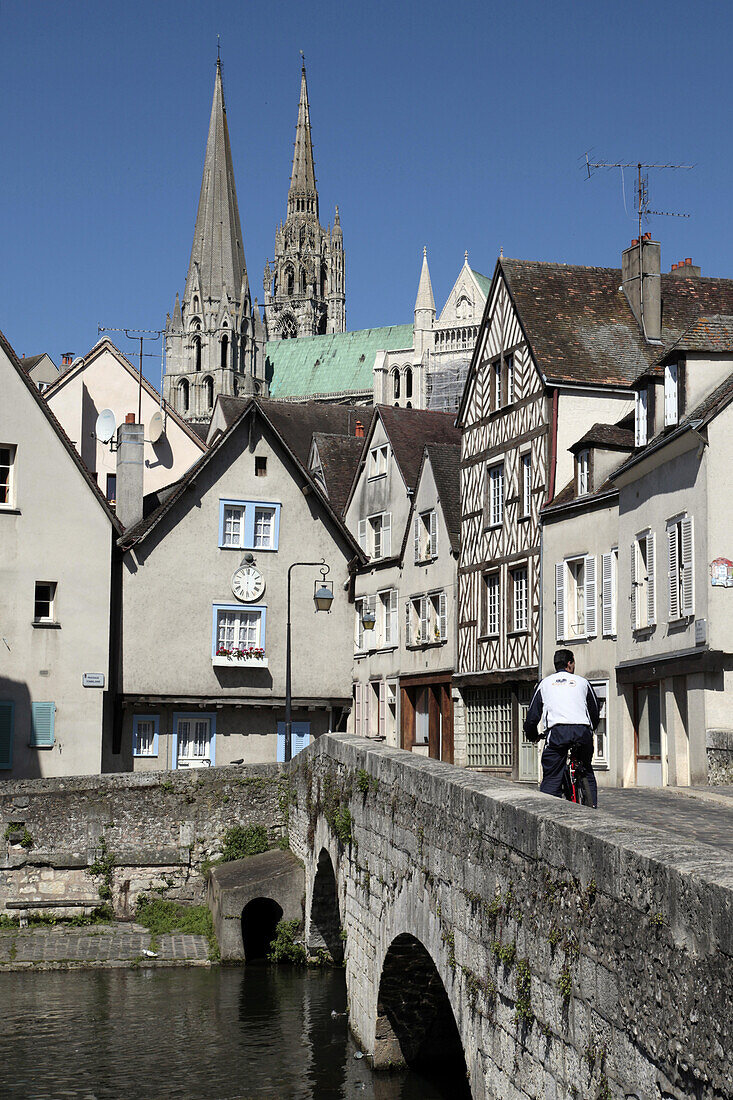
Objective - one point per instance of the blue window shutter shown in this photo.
(42, 723)
(281, 742)
(7, 713)
(301, 736)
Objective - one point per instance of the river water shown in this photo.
(220, 1033)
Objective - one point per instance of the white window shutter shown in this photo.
(365, 705)
(357, 709)
(641, 417)
(393, 624)
(673, 594)
(651, 598)
(408, 622)
(634, 599)
(591, 596)
(443, 615)
(560, 601)
(386, 534)
(382, 707)
(608, 595)
(688, 570)
(363, 534)
(423, 619)
(416, 536)
(434, 533)
(670, 394)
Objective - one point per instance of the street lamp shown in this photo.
(368, 617)
(323, 598)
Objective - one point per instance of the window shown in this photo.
(42, 725)
(365, 639)
(575, 598)
(396, 384)
(417, 621)
(375, 535)
(490, 604)
(497, 384)
(145, 735)
(495, 502)
(45, 600)
(422, 716)
(671, 396)
(408, 382)
(378, 458)
(197, 352)
(502, 381)
(194, 740)
(224, 352)
(425, 536)
(583, 467)
(643, 595)
(509, 367)
(438, 617)
(600, 757)
(111, 488)
(238, 628)
(681, 581)
(249, 525)
(359, 609)
(388, 611)
(520, 607)
(209, 392)
(610, 586)
(7, 472)
(489, 727)
(7, 719)
(641, 426)
(260, 466)
(183, 396)
(526, 471)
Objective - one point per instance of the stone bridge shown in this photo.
(540, 949)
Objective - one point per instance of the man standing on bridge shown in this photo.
(571, 713)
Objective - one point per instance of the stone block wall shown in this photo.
(582, 956)
(719, 748)
(158, 827)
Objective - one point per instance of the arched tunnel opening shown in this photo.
(415, 1021)
(325, 923)
(260, 918)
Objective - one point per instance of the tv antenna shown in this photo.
(643, 212)
(137, 334)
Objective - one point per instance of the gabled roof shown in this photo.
(445, 462)
(56, 427)
(610, 437)
(339, 456)
(696, 420)
(335, 364)
(297, 421)
(713, 334)
(253, 407)
(28, 362)
(105, 344)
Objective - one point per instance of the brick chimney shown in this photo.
(67, 358)
(130, 448)
(685, 269)
(641, 280)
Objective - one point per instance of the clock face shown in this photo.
(248, 584)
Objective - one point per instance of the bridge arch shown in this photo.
(324, 929)
(415, 1021)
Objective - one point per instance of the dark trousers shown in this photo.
(555, 755)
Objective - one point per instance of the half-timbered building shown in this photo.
(558, 349)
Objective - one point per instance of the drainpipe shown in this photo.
(552, 461)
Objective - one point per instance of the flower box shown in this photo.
(253, 657)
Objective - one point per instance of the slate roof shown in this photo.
(339, 455)
(445, 460)
(28, 362)
(409, 430)
(609, 436)
(713, 333)
(581, 327)
(297, 421)
(338, 363)
(56, 426)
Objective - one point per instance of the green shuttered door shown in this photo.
(42, 720)
(6, 734)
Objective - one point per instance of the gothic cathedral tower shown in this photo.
(214, 343)
(304, 285)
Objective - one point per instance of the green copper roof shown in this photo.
(341, 362)
(483, 282)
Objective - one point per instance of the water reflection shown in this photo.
(223, 1034)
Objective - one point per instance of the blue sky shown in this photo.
(459, 126)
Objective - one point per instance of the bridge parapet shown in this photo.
(574, 954)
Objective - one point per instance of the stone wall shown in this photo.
(159, 827)
(582, 956)
(719, 747)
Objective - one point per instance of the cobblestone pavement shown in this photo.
(57, 946)
(702, 814)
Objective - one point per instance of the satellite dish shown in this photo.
(106, 426)
(155, 427)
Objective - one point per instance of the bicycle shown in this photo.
(575, 785)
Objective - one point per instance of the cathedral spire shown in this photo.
(303, 196)
(217, 249)
(425, 302)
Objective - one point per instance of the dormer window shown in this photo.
(642, 405)
(671, 394)
(583, 472)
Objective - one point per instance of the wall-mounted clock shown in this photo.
(248, 584)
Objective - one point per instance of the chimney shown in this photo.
(130, 447)
(67, 358)
(685, 269)
(641, 278)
